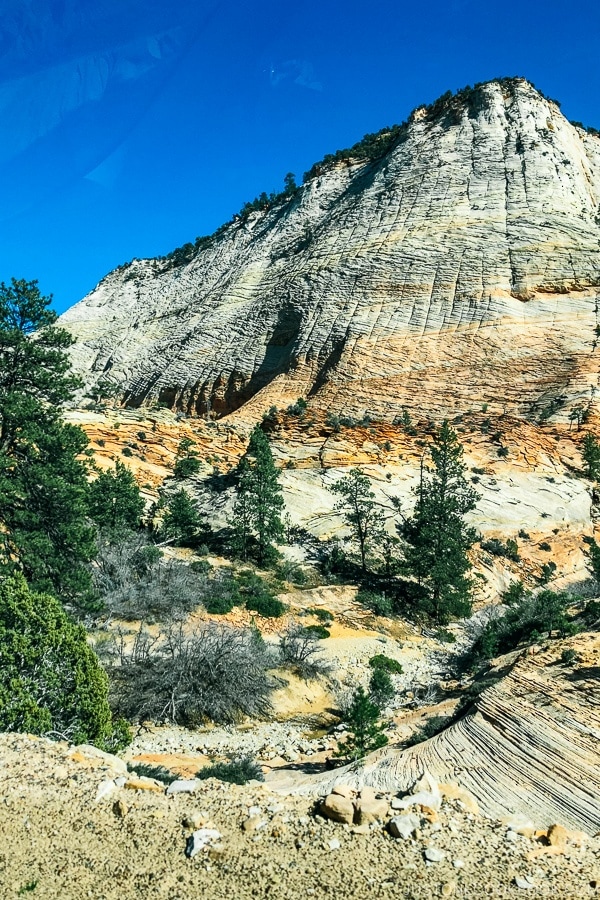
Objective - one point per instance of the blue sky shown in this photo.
(128, 128)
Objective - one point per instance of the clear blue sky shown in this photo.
(128, 127)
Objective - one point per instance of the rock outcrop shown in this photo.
(461, 266)
(528, 747)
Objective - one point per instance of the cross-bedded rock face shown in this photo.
(460, 267)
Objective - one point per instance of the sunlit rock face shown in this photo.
(459, 268)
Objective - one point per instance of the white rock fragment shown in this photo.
(404, 826)
(201, 840)
(434, 854)
(334, 844)
(104, 789)
(526, 883)
(183, 786)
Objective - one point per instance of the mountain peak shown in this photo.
(425, 267)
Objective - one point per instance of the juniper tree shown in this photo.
(436, 536)
(43, 480)
(50, 678)
(361, 512)
(259, 501)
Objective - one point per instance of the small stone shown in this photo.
(254, 810)
(520, 824)
(526, 883)
(194, 820)
(371, 810)
(458, 864)
(368, 795)
(183, 786)
(452, 791)
(334, 844)
(433, 854)
(338, 808)
(200, 840)
(120, 809)
(404, 826)
(104, 789)
(141, 783)
(343, 790)
(254, 823)
(448, 889)
(93, 757)
(557, 836)
(360, 829)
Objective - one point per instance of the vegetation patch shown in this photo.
(386, 663)
(237, 771)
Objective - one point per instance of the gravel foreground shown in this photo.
(71, 828)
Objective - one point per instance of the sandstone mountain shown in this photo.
(456, 261)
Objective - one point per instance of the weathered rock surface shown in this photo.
(465, 258)
(529, 746)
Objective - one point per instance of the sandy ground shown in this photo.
(58, 841)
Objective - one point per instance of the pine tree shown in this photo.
(365, 732)
(360, 510)
(259, 501)
(436, 536)
(43, 482)
(115, 501)
(590, 452)
(242, 527)
(182, 523)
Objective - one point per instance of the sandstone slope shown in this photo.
(459, 266)
(529, 746)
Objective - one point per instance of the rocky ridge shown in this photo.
(465, 257)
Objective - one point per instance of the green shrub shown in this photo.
(50, 679)
(365, 732)
(186, 467)
(428, 730)
(548, 570)
(524, 535)
(445, 636)
(386, 663)
(509, 550)
(126, 451)
(266, 605)
(298, 408)
(322, 614)
(219, 605)
(319, 631)
(514, 593)
(591, 613)
(377, 603)
(159, 773)
(524, 623)
(238, 771)
(544, 545)
(568, 657)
